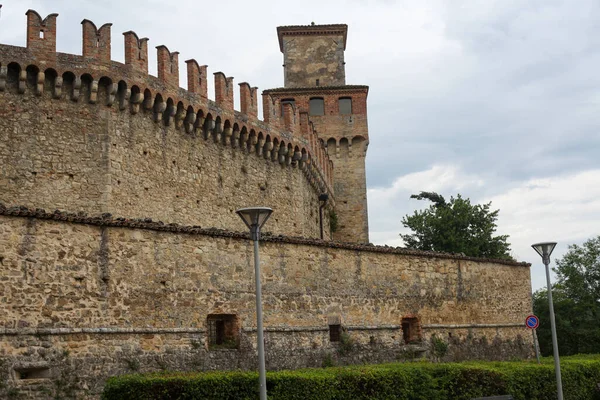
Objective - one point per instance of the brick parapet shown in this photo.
(41, 34)
(96, 42)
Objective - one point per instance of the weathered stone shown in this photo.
(118, 236)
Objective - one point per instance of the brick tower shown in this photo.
(315, 84)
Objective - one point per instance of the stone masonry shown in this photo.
(120, 250)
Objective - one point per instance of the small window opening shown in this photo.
(317, 106)
(97, 42)
(222, 331)
(42, 36)
(33, 373)
(287, 101)
(335, 333)
(317, 82)
(345, 105)
(411, 331)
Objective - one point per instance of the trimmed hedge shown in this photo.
(407, 381)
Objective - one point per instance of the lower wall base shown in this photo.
(77, 365)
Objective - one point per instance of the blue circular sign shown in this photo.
(532, 322)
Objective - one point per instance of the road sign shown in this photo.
(532, 322)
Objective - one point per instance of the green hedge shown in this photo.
(523, 380)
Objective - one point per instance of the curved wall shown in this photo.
(79, 156)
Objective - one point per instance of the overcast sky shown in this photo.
(498, 100)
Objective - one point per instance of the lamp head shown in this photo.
(254, 218)
(544, 249)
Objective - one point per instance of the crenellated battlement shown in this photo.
(41, 33)
(136, 52)
(96, 42)
(95, 79)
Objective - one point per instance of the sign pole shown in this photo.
(535, 344)
(532, 322)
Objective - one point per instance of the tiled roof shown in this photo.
(319, 89)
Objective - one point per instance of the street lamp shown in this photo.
(255, 218)
(544, 250)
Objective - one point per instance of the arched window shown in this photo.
(287, 101)
(317, 106)
(345, 105)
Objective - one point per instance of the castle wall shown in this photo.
(78, 156)
(102, 296)
(102, 288)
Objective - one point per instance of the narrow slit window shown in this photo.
(33, 373)
(41, 34)
(411, 331)
(345, 105)
(317, 106)
(335, 333)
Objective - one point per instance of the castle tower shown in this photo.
(315, 82)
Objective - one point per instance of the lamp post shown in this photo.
(544, 250)
(255, 218)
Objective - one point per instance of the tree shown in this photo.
(455, 227)
(576, 298)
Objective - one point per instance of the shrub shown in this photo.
(333, 221)
(328, 361)
(440, 348)
(346, 344)
(408, 381)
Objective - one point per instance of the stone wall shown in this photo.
(77, 156)
(86, 298)
(313, 55)
(84, 133)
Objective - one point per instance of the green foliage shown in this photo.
(440, 348)
(576, 298)
(228, 343)
(13, 393)
(333, 221)
(455, 227)
(346, 344)
(328, 361)
(133, 364)
(419, 380)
